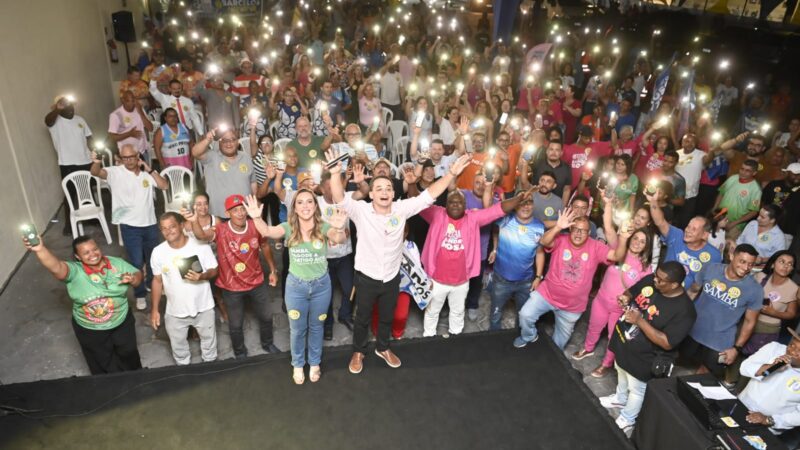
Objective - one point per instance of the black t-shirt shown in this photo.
(562, 172)
(673, 316)
(780, 193)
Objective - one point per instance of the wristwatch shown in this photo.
(539, 277)
(770, 421)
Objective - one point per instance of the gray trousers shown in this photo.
(177, 329)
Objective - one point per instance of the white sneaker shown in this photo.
(611, 402)
(141, 303)
(624, 424)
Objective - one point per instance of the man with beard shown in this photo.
(584, 151)
(227, 170)
(308, 146)
(545, 203)
(177, 101)
(327, 110)
(552, 163)
(127, 124)
(755, 149)
(72, 140)
(354, 143)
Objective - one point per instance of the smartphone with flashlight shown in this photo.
(420, 119)
(29, 232)
(503, 118)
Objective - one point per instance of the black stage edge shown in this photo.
(473, 391)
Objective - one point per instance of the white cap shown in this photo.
(794, 168)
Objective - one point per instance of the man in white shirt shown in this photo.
(354, 144)
(189, 298)
(379, 250)
(128, 124)
(691, 163)
(177, 101)
(773, 393)
(392, 89)
(133, 208)
(72, 140)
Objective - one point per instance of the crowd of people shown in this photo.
(427, 162)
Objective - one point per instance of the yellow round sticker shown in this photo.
(243, 168)
(721, 286)
(294, 314)
(549, 211)
(647, 291)
(145, 184)
(173, 136)
(223, 166)
(228, 99)
(734, 292)
(705, 257)
(312, 153)
(322, 317)
(239, 267)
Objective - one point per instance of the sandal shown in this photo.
(298, 375)
(314, 373)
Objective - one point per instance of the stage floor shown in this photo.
(469, 392)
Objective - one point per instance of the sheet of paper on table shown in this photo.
(713, 392)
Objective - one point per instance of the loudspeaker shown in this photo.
(123, 26)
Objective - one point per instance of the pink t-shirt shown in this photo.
(569, 278)
(121, 121)
(576, 156)
(649, 163)
(612, 285)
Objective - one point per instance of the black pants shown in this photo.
(369, 291)
(476, 287)
(235, 301)
(108, 351)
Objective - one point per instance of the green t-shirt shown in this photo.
(739, 198)
(308, 260)
(627, 188)
(99, 301)
(306, 154)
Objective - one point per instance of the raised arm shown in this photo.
(337, 187)
(437, 188)
(55, 266)
(254, 210)
(201, 147)
(97, 167)
(566, 218)
(656, 213)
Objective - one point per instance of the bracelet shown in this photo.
(738, 348)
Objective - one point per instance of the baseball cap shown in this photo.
(793, 332)
(793, 167)
(585, 130)
(382, 161)
(303, 176)
(233, 201)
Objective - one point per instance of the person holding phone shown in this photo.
(133, 208)
(190, 302)
(98, 286)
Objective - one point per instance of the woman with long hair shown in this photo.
(207, 221)
(308, 286)
(780, 300)
(605, 310)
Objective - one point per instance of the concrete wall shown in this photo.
(49, 47)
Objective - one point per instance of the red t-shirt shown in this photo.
(576, 156)
(649, 163)
(239, 263)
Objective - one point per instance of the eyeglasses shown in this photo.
(129, 158)
(580, 230)
(228, 141)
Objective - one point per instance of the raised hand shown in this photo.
(330, 155)
(359, 173)
(188, 215)
(96, 158)
(270, 170)
(459, 165)
(566, 218)
(338, 219)
(155, 319)
(252, 207)
(463, 125)
(623, 300)
(409, 176)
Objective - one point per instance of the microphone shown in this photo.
(773, 368)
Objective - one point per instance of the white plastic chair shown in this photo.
(396, 129)
(87, 208)
(387, 115)
(181, 186)
(197, 118)
(399, 150)
(280, 144)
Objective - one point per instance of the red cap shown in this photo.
(233, 201)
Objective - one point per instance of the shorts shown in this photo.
(700, 354)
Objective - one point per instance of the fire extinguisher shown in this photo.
(112, 50)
